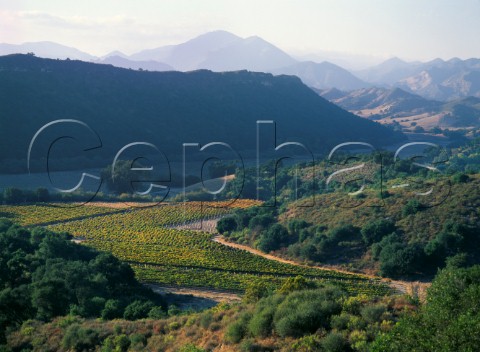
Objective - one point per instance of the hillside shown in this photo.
(388, 218)
(164, 108)
(382, 102)
(421, 226)
(396, 106)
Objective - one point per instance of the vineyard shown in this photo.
(148, 239)
(40, 214)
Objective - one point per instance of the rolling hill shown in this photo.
(394, 105)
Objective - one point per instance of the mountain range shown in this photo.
(436, 79)
(223, 51)
(165, 108)
(217, 51)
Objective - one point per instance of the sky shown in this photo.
(409, 29)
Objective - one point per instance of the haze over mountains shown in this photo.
(223, 51)
(217, 51)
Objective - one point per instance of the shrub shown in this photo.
(235, 332)
(137, 310)
(206, 319)
(340, 322)
(373, 314)
(138, 340)
(374, 231)
(460, 178)
(304, 312)
(173, 310)
(227, 224)
(112, 310)
(261, 321)
(157, 313)
(412, 207)
(273, 239)
(335, 342)
(122, 343)
(254, 291)
(79, 339)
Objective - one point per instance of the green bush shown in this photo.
(206, 319)
(157, 313)
(113, 309)
(460, 178)
(79, 339)
(137, 310)
(227, 224)
(335, 342)
(412, 207)
(274, 238)
(304, 312)
(373, 313)
(374, 231)
(139, 340)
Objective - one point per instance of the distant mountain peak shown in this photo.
(219, 35)
(116, 53)
(394, 60)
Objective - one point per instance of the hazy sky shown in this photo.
(410, 29)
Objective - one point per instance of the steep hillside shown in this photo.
(165, 108)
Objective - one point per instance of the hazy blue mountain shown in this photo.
(151, 65)
(115, 53)
(165, 108)
(253, 53)
(323, 75)
(389, 71)
(219, 51)
(189, 55)
(45, 49)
